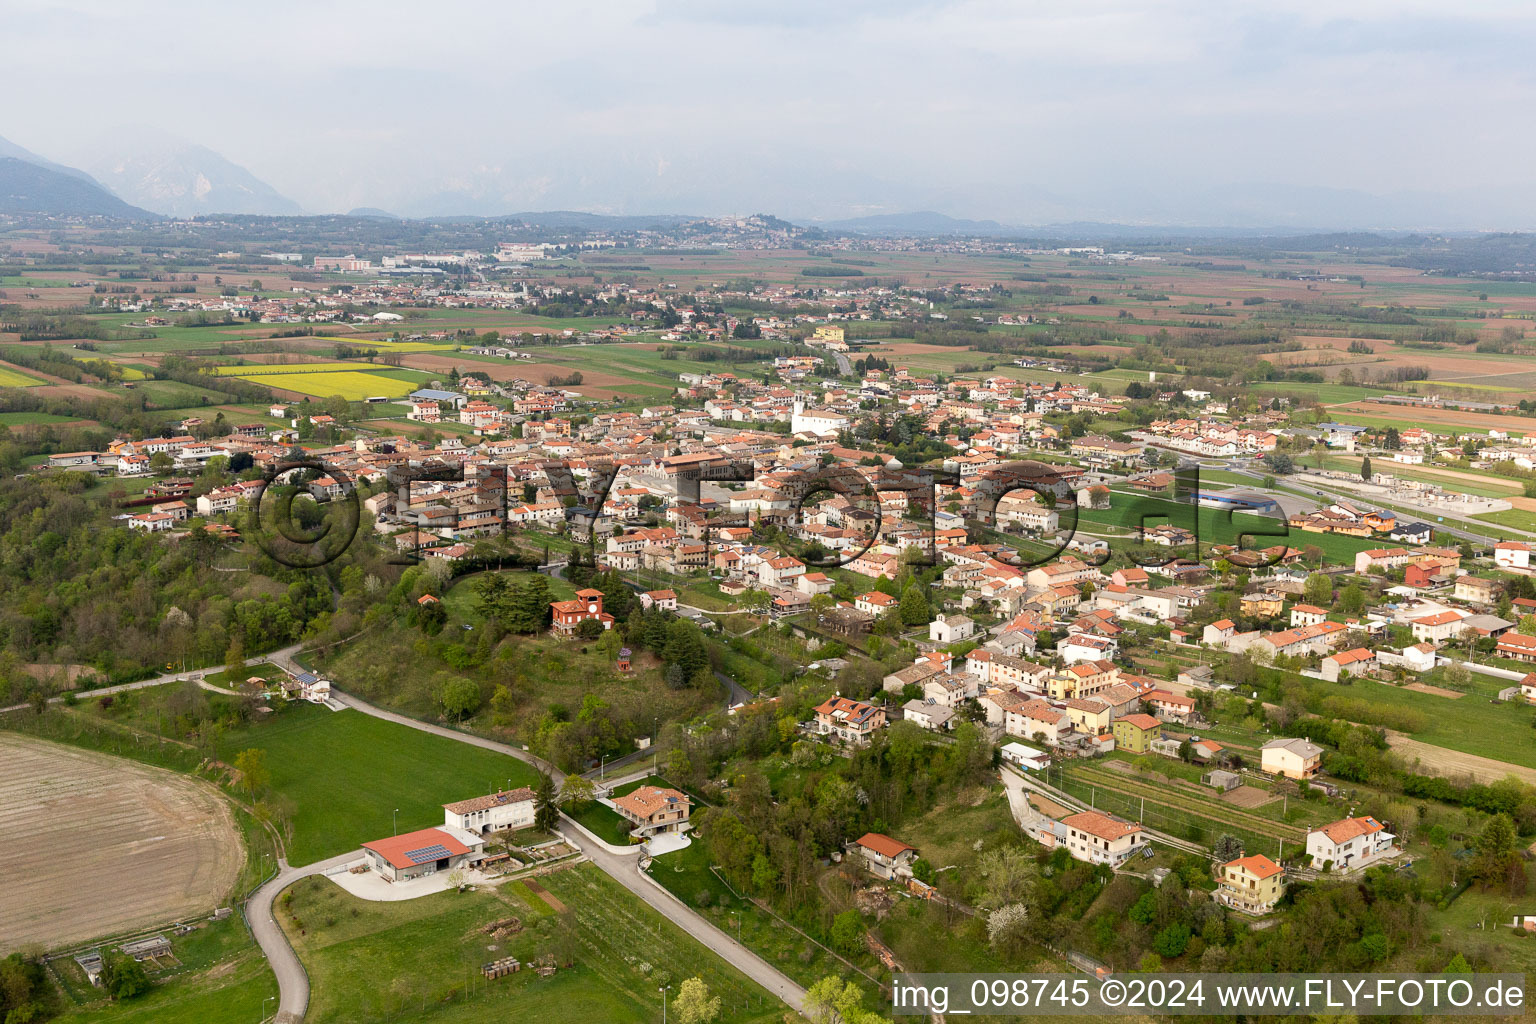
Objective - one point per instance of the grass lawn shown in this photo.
(339, 775)
(1515, 518)
(603, 822)
(419, 960)
(234, 991)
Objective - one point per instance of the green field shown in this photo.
(249, 370)
(339, 774)
(349, 384)
(17, 419)
(1215, 526)
(10, 378)
(419, 960)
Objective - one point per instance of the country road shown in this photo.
(285, 653)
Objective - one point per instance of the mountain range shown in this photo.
(30, 188)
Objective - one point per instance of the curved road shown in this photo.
(624, 867)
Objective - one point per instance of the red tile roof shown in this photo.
(397, 849)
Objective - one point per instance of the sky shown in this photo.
(1401, 114)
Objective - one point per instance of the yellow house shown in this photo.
(829, 334)
(1135, 733)
(1262, 605)
(1090, 716)
(1251, 884)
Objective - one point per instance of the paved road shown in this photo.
(844, 364)
(625, 869)
(285, 653)
(292, 980)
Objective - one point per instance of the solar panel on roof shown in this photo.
(436, 851)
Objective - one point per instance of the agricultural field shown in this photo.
(430, 950)
(169, 845)
(349, 384)
(12, 378)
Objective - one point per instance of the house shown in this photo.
(1528, 688)
(1356, 662)
(1304, 640)
(509, 808)
(666, 600)
(424, 852)
(1037, 720)
(588, 604)
(1262, 604)
(1251, 884)
(874, 603)
(1476, 589)
(1349, 844)
(1293, 757)
(1308, 615)
(652, 810)
(1171, 707)
(1136, 732)
(1219, 632)
(851, 721)
(1512, 554)
(1437, 628)
(952, 629)
(307, 686)
(1100, 839)
(929, 713)
(1028, 757)
(1517, 646)
(885, 857)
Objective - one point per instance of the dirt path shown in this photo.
(1453, 763)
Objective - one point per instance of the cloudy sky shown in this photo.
(1161, 111)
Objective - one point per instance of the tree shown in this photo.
(833, 1001)
(124, 977)
(694, 1004)
(161, 464)
(1352, 599)
(1006, 927)
(459, 697)
(848, 932)
(1228, 847)
(1279, 463)
(577, 792)
(1319, 590)
(1365, 468)
(914, 607)
(546, 813)
(1172, 940)
(251, 763)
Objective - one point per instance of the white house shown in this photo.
(1099, 839)
(1025, 757)
(951, 629)
(510, 808)
(1349, 844)
(1512, 554)
(1292, 757)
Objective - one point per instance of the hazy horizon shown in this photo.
(1307, 114)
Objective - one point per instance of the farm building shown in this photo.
(424, 852)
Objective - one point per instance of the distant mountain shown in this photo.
(10, 149)
(372, 211)
(27, 187)
(184, 180)
(924, 224)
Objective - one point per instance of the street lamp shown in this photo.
(663, 991)
(394, 824)
(264, 1006)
